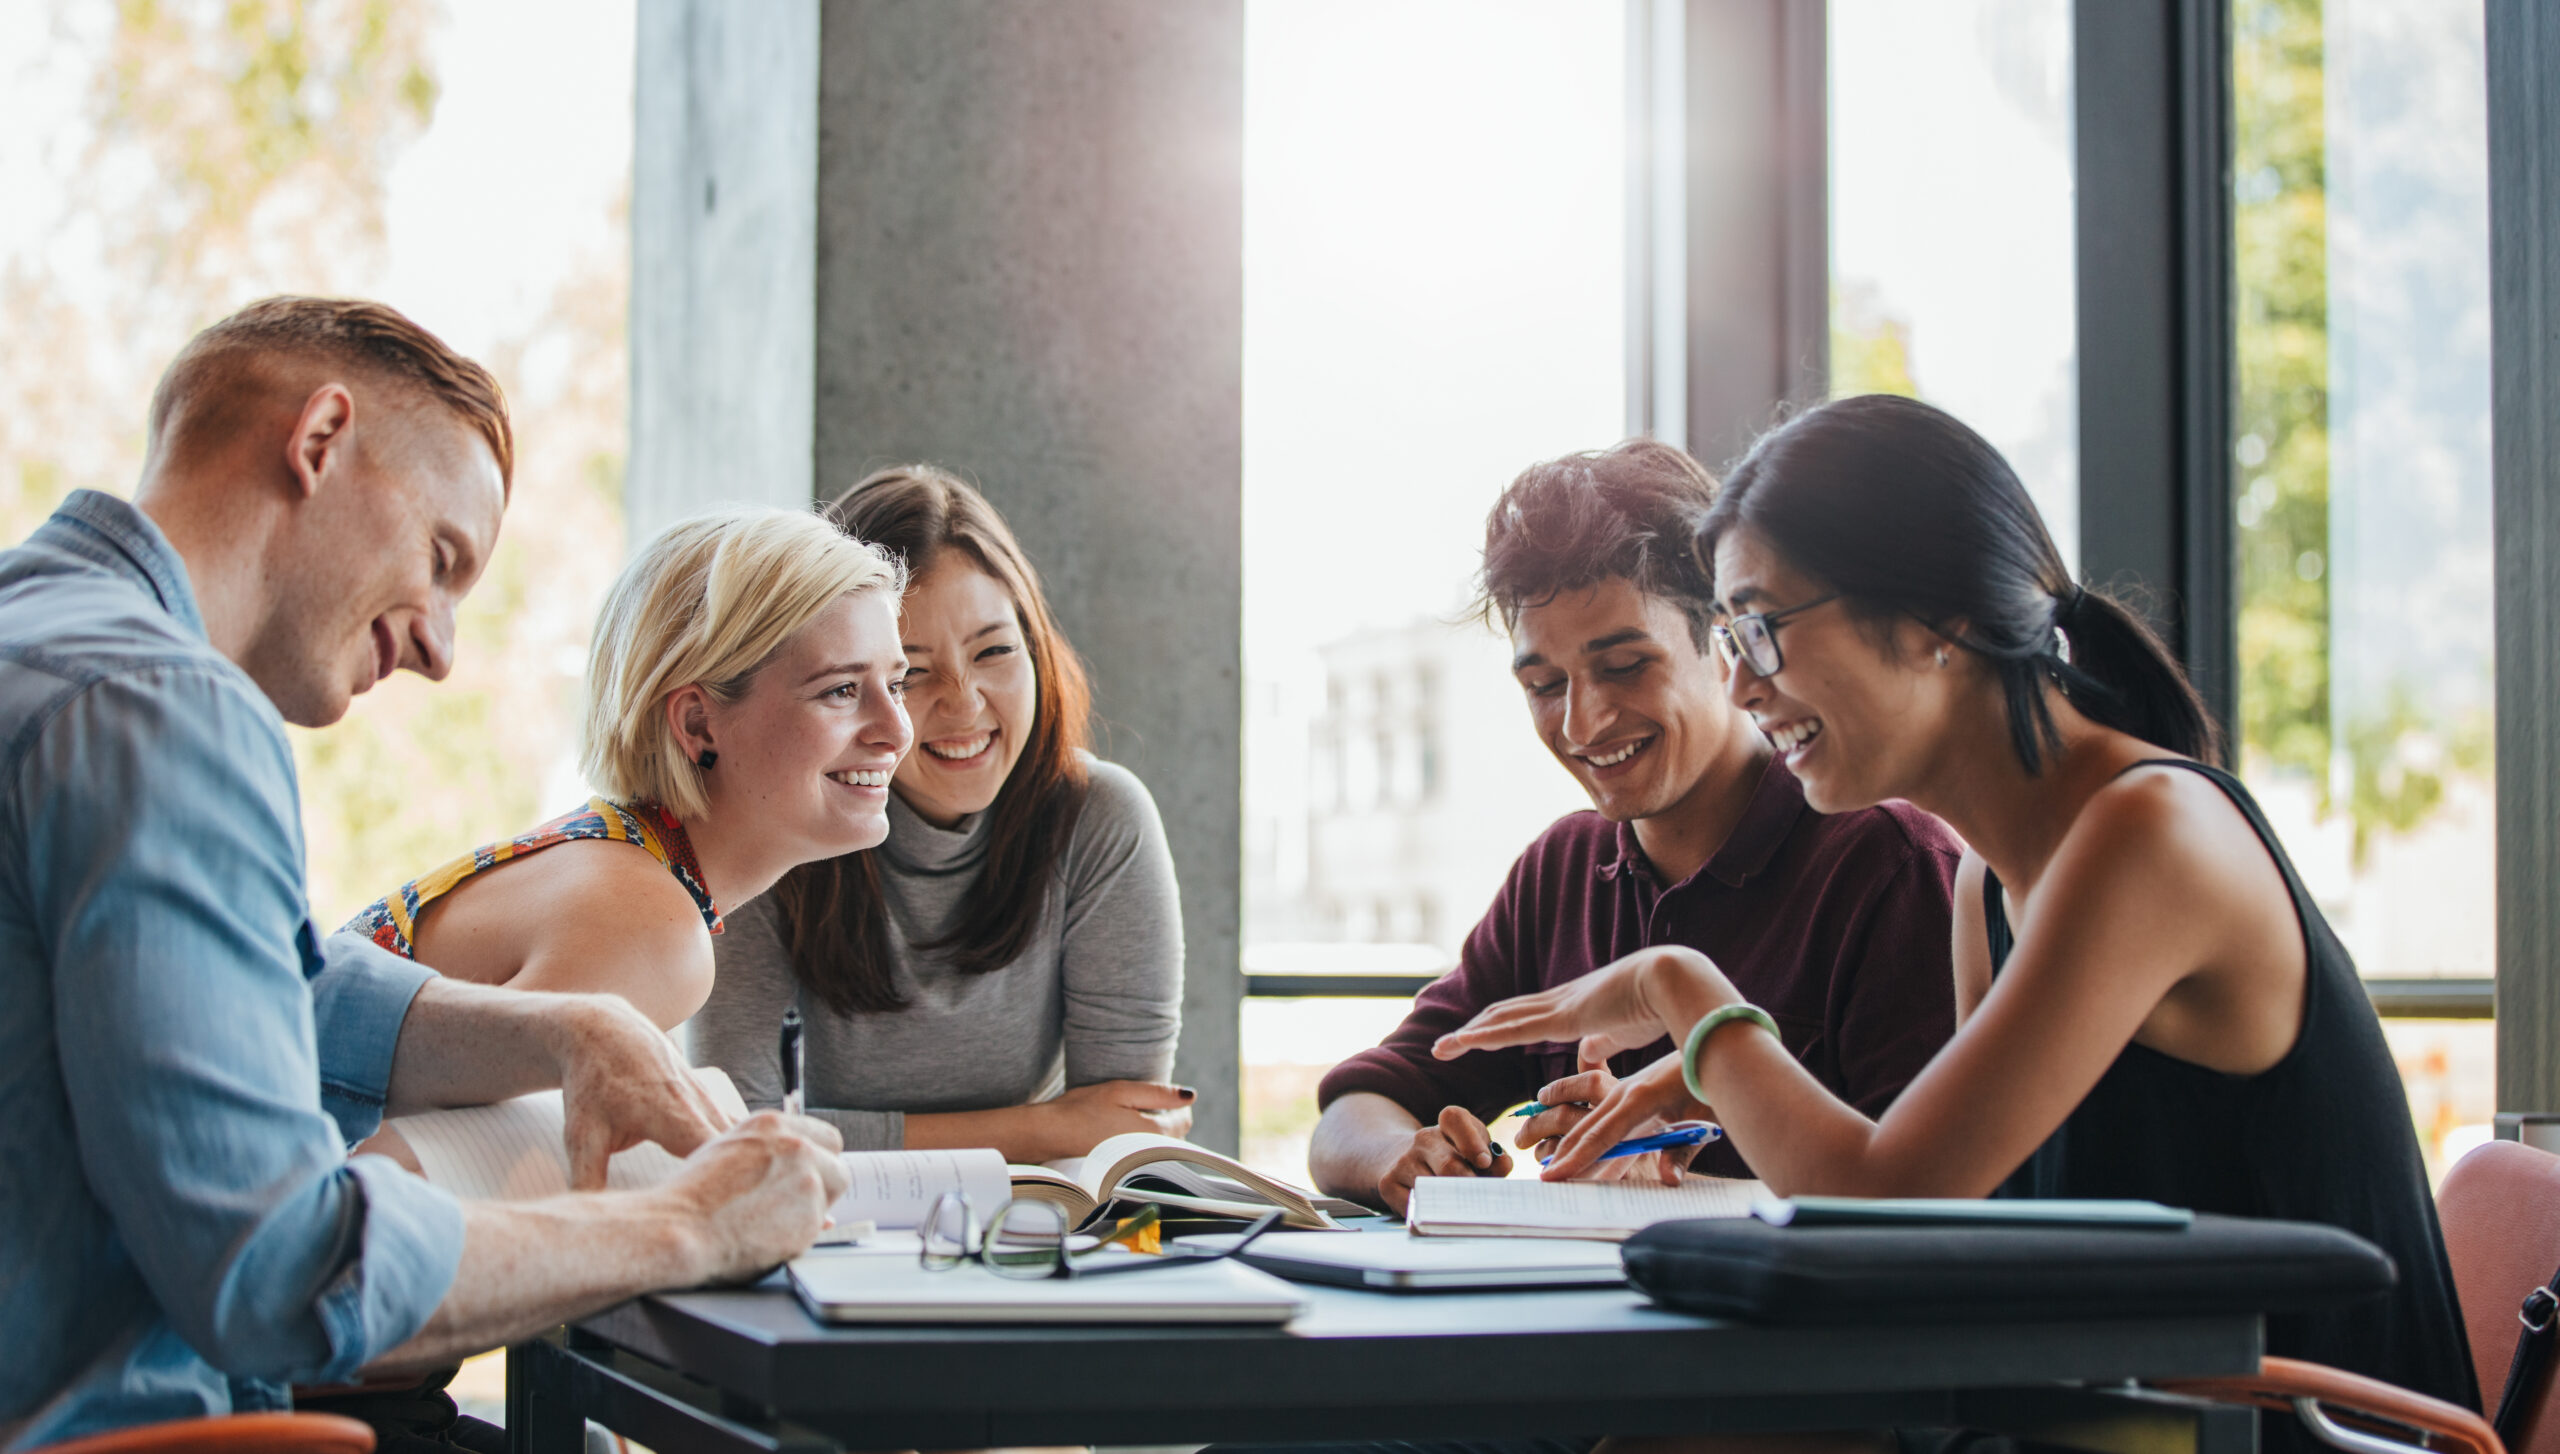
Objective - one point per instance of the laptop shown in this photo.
(850, 1287)
(1399, 1262)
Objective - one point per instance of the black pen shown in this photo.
(792, 1065)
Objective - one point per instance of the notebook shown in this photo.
(1608, 1211)
(840, 1287)
(1399, 1263)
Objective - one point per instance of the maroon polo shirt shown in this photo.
(1837, 924)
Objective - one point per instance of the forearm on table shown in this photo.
(1012, 1130)
(1357, 1138)
(527, 1266)
(469, 1044)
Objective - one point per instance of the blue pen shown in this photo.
(1680, 1133)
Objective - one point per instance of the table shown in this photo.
(749, 1370)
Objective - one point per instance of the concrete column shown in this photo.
(724, 208)
(2524, 352)
(1026, 246)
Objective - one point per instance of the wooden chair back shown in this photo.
(2501, 1211)
(232, 1434)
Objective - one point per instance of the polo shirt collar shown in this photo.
(120, 538)
(1765, 823)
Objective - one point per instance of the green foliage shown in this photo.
(1870, 349)
(2280, 226)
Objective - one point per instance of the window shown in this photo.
(2361, 489)
(1433, 276)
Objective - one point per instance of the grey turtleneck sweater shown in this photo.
(1096, 996)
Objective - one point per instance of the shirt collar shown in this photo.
(112, 533)
(1765, 823)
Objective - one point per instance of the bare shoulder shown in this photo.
(587, 916)
(2173, 843)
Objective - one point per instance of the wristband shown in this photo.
(1698, 1033)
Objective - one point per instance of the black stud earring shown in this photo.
(707, 758)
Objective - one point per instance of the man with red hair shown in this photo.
(183, 1061)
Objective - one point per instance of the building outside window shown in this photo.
(1433, 300)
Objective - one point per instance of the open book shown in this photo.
(1184, 1179)
(1607, 1211)
(514, 1151)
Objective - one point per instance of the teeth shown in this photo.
(1792, 735)
(859, 778)
(1619, 756)
(961, 749)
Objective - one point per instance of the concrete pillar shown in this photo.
(1026, 264)
(724, 253)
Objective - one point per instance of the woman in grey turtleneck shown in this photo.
(1006, 970)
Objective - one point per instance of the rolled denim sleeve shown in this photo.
(164, 861)
(359, 1000)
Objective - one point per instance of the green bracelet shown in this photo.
(1699, 1032)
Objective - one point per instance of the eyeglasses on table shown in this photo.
(1029, 1239)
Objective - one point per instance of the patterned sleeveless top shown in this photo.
(392, 921)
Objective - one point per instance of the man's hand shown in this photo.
(1456, 1145)
(1076, 1122)
(623, 1082)
(758, 1195)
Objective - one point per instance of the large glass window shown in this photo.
(1951, 225)
(2361, 476)
(1434, 223)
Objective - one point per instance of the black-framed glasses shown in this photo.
(1030, 1239)
(1752, 639)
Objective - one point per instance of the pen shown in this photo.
(1680, 1133)
(1535, 1109)
(792, 1065)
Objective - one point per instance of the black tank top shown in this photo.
(2322, 1136)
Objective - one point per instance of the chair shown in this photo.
(232, 1434)
(2500, 1206)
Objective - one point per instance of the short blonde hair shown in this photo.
(706, 603)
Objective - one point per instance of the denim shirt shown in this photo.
(183, 1064)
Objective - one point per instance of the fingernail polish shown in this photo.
(1187, 1092)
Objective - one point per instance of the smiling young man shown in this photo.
(183, 1061)
(1837, 924)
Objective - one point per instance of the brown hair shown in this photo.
(221, 364)
(1630, 510)
(834, 919)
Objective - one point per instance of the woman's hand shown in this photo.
(1618, 1007)
(1640, 1105)
(1077, 1121)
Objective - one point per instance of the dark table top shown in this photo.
(1375, 1364)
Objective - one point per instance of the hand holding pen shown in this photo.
(795, 1064)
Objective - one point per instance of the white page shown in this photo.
(897, 1188)
(1501, 1206)
(515, 1150)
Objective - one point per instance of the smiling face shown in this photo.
(377, 560)
(971, 689)
(1624, 698)
(1856, 713)
(807, 752)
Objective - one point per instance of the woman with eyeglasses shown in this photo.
(2149, 1003)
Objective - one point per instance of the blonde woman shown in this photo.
(743, 716)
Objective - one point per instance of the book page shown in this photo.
(1458, 1206)
(516, 1150)
(897, 1188)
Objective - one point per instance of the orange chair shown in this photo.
(2500, 1207)
(232, 1434)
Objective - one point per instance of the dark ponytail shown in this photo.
(1906, 512)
